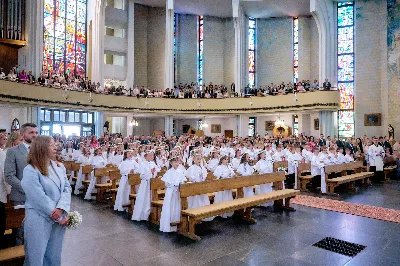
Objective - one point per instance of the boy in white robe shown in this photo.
(245, 169)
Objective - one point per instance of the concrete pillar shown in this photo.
(169, 125)
(99, 122)
(326, 123)
(97, 46)
(240, 45)
(130, 65)
(239, 121)
(169, 45)
(30, 57)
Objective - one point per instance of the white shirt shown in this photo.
(27, 146)
(245, 169)
(4, 187)
(372, 154)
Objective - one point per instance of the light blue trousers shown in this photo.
(43, 240)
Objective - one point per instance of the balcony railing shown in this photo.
(44, 96)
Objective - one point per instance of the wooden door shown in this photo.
(228, 133)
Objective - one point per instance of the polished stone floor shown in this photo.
(108, 238)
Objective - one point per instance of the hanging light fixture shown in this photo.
(204, 123)
(134, 123)
(279, 122)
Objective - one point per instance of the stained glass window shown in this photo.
(345, 41)
(252, 52)
(295, 50)
(200, 54)
(175, 47)
(64, 40)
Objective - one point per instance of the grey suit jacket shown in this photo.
(16, 160)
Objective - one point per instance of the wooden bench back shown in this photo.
(115, 175)
(87, 169)
(155, 185)
(134, 179)
(342, 167)
(75, 166)
(193, 189)
(68, 165)
(14, 217)
(303, 167)
(210, 176)
(161, 173)
(280, 164)
(388, 160)
(100, 172)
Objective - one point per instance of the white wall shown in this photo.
(186, 61)
(10, 112)
(218, 50)
(370, 41)
(275, 51)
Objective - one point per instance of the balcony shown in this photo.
(115, 44)
(43, 96)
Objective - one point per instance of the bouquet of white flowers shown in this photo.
(74, 220)
(281, 169)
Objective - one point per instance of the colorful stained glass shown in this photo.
(49, 6)
(295, 50)
(81, 12)
(251, 62)
(252, 51)
(345, 43)
(60, 8)
(66, 21)
(345, 15)
(200, 52)
(71, 10)
(251, 79)
(345, 40)
(252, 37)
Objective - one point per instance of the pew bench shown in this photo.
(242, 206)
(156, 185)
(388, 170)
(133, 180)
(345, 178)
(305, 179)
(12, 256)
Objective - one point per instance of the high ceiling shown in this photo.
(223, 8)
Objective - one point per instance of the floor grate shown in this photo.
(340, 246)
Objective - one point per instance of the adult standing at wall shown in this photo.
(16, 162)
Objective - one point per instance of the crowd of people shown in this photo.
(180, 91)
(29, 161)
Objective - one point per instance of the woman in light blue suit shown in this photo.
(48, 198)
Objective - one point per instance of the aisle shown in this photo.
(106, 238)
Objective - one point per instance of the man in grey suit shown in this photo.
(16, 160)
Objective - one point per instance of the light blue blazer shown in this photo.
(45, 193)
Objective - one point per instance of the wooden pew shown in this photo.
(86, 171)
(75, 169)
(190, 217)
(99, 173)
(345, 179)
(115, 176)
(390, 166)
(13, 255)
(156, 184)
(305, 179)
(68, 168)
(280, 164)
(133, 180)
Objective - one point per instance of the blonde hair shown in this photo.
(12, 138)
(39, 156)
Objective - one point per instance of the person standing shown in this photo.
(4, 190)
(375, 155)
(16, 161)
(48, 199)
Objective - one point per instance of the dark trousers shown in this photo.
(316, 182)
(379, 176)
(290, 181)
(2, 224)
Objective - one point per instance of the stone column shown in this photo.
(326, 123)
(169, 45)
(130, 65)
(239, 120)
(240, 37)
(169, 125)
(97, 46)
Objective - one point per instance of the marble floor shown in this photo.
(109, 238)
